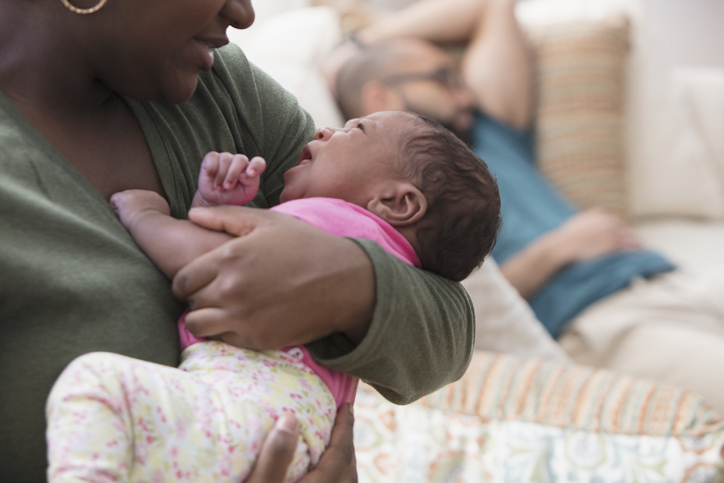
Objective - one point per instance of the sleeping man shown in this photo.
(608, 300)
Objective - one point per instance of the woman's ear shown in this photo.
(376, 96)
(399, 205)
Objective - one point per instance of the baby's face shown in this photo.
(348, 162)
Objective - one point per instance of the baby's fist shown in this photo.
(228, 179)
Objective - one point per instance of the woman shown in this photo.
(99, 98)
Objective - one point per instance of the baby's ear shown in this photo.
(399, 204)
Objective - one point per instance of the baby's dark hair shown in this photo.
(462, 220)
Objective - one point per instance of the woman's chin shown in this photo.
(181, 90)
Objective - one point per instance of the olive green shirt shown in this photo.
(73, 281)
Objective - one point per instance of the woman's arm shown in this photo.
(421, 338)
(281, 282)
(286, 282)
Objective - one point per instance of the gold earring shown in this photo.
(83, 11)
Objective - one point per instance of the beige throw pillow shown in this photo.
(579, 119)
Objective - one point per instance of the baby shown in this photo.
(393, 177)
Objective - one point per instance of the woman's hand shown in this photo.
(282, 282)
(337, 465)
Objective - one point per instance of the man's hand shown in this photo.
(590, 234)
(595, 233)
(282, 282)
(228, 179)
(337, 465)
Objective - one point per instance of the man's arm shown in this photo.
(497, 66)
(588, 235)
(439, 21)
(533, 266)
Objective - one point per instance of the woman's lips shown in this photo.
(207, 60)
(208, 44)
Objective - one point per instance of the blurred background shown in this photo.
(671, 127)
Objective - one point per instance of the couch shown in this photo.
(652, 151)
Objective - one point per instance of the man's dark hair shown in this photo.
(371, 62)
(462, 220)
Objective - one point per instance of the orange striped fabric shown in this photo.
(509, 388)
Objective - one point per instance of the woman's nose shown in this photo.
(238, 13)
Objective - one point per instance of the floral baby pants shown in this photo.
(113, 418)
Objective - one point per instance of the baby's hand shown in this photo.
(130, 204)
(228, 179)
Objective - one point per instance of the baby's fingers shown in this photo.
(225, 162)
(256, 167)
(210, 164)
(237, 164)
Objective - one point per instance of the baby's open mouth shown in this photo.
(305, 156)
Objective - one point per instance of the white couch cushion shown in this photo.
(504, 321)
(695, 245)
(684, 172)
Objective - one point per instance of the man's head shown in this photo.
(413, 173)
(407, 74)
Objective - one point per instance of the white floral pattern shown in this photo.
(423, 443)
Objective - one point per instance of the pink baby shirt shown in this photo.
(340, 218)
